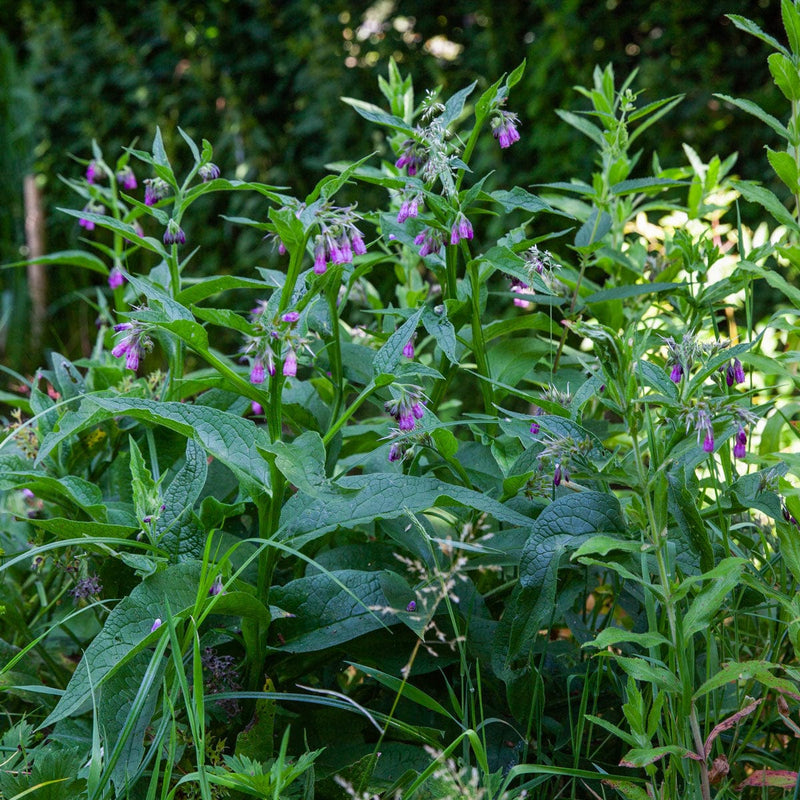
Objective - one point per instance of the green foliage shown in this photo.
(367, 499)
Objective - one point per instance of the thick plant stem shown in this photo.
(177, 355)
(478, 342)
(335, 349)
(354, 406)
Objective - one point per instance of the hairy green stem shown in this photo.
(349, 411)
(478, 341)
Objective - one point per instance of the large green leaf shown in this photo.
(718, 582)
(563, 526)
(178, 529)
(683, 508)
(69, 490)
(125, 632)
(331, 608)
(225, 436)
(360, 499)
(302, 462)
(389, 356)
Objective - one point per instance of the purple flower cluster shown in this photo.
(116, 278)
(462, 229)
(263, 361)
(560, 474)
(87, 587)
(431, 242)
(208, 172)
(504, 128)
(174, 234)
(519, 287)
(93, 171)
(406, 409)
(155, 189)
(676, 373)
(409, 208)
(133, 345)
(340, 248)
(734, 373)
(126, 179)
(412, 156)
(91, 208)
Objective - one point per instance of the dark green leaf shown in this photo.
(593, 230)
(335, 607)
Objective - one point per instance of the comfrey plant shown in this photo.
(523, 543)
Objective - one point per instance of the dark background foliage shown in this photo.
(263, 80)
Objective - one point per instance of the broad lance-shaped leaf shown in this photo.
(380, 496)
(388, 357)
(114, 703)
(69, 489)
(563, 526)
(231, 439)
(125, 631)
(178, 530)
(302, 462)
(327, 614)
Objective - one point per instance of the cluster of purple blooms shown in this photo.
(504, 128)
(208, 172)
(126, 179)
(92, 208)
(337, 247)
(116, 278)
(430, 240)
(405, 410)
(174, 234)
(700, 417)
(155, 189)
(133, 345)
(263, 360)
(413, 156)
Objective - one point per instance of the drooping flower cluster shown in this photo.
(462, 229)
(339, 238)
(208, 172)
(410, 207)
(133, 345)
(91, 208)
(116, 278)
(126, 178)
(272, 339)
(413, 156)
(407, 407)
(734, 373)
(558, 458)
(155, 189)
(504, 128)
(431, 242)
(537, 263)
(681, 357)
(93, 171)
(174, 234)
